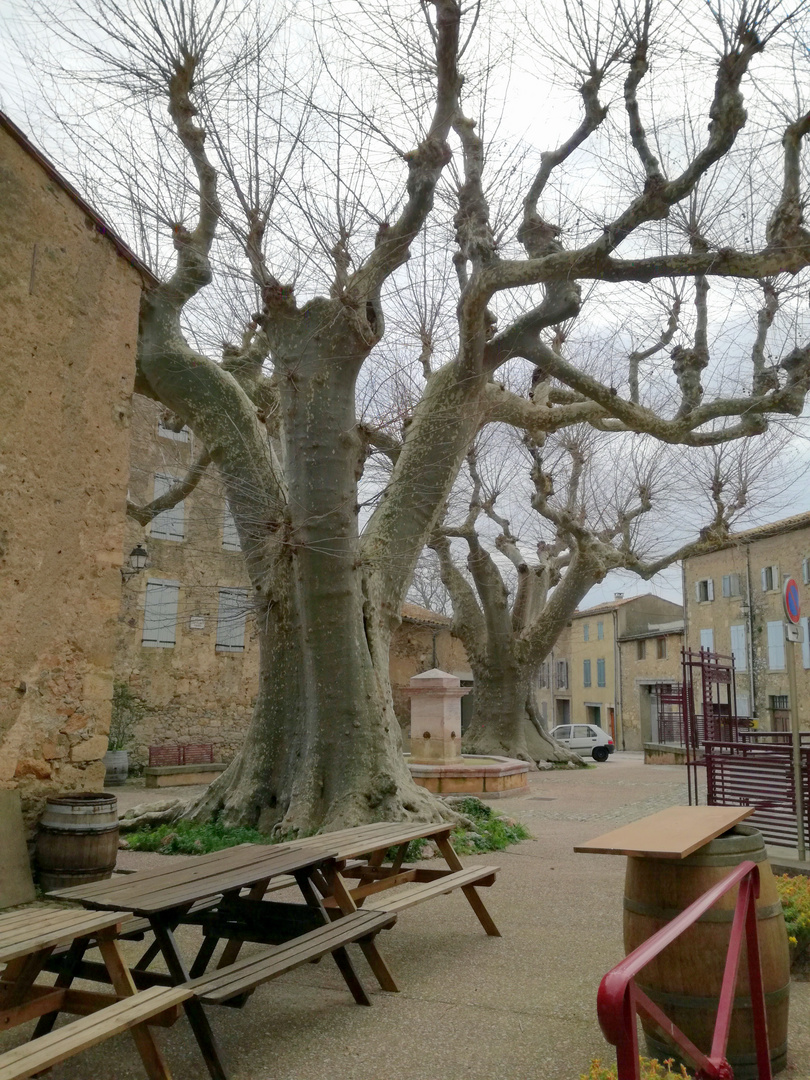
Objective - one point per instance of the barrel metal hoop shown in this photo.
(708, 1004)
(713, 915)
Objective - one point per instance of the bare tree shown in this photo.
(293, 200)
(590, 523)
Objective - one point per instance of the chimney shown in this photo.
(618, 596)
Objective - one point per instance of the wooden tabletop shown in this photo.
(670, 834)
(366, 839)
(148, 891)
(28, 930)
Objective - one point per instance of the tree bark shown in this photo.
(502, 723)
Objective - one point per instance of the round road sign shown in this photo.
(790, 594)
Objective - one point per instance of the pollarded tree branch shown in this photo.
(425, 165)
(176, 493)
(636, 357)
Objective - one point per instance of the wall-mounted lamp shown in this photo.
(137, 560)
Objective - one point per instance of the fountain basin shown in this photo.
(487, 777)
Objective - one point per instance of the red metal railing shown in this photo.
(190, 754)
(619, 999)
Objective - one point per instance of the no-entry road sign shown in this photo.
(790, 595)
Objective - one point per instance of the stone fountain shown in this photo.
(436, 761)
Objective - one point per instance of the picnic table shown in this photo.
(28, 937)
(363, 853)
(208, 892)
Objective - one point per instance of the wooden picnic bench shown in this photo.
(362, 854)
(208, 892)
(28, 937)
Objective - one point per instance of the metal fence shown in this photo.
(758, 772)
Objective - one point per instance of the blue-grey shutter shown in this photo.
(739, 647)
(776, 646)
(233, 609)
(805, 625)
(600, 673)
(707, 639)
(160, 614)
(168, 525)
(230, 534)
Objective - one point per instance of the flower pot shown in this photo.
(116, 762)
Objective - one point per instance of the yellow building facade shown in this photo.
(733, 606)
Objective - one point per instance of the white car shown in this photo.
(583, 738)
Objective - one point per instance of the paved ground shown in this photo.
(520, 1007)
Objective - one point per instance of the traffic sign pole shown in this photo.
(790, 597)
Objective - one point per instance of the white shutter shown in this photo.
(182, 435)
(726, 584)
(697, 591)
(233, 608)
(776, 581)
(168, 525)
(806, 571)
(160, 614)
(764, 573)
(710, 588)
(230, 535)
(776, 646)
(742, 704)
(805, 625)
(739, 647)
(707, 640)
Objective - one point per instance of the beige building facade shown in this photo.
(605, 664)
(69, 298)
(734, 606)
(185, 643)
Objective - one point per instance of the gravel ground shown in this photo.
(519, 1007)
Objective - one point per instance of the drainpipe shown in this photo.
(750, 620)
(435, 663)
(618, 703)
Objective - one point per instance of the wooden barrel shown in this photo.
(77, 840)
(685, 979)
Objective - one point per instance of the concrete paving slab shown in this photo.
(519, 1007)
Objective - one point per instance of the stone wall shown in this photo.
(69, 311)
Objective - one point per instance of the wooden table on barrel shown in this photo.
(207, 892)
(671, 863)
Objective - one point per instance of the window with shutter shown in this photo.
(770, 578)
(586, 673)
(160, 614)
(739, 647)
(586, 631)
(707, 639)
(233, 609)
(183, 435)
(600, 673)
(230, 535)
(661, 648)
(704, 590)
(641, 649)
(806, 571)
(731, 585)
(600, 631)
(168, 525)
(742, 704)
(776, 646)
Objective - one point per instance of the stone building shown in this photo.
(734, 606)
(69, 296)
(604, 665)
(185, 645)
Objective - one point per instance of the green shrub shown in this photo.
(188, 838)
(650, 1070)
(490, 832)
(794, 892)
